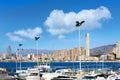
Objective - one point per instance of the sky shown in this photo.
(54, 21)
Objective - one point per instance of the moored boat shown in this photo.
(33, 74)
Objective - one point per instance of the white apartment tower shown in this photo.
(117, 49)
(87, 46)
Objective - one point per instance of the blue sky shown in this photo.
(54, 22)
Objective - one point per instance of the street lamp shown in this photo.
(78, 24)
(36, 39)
(20, 54)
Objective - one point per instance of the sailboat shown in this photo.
(33, 74)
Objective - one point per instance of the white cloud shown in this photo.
(14, 37)
(29, 33)
(61, 37)
(59, 23)
(20, 35)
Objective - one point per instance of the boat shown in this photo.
(64, 78)
(113, 77)
(43, 68)
(49, 76)
(61, 74)
(102, 77)
(64, 71)
(90, 77)
(33, 74)
(23, 74)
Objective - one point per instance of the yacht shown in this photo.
(61, 74)
(20, 74)
(43, 68)
(89, 77)
(64, 78)
(49, 76)
(113, 77)
(64, 71)
(33, 74)
(23, 74)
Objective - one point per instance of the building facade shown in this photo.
(116, 50)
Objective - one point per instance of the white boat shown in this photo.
(102, 77)
(43, 68)
(23, 74)
(49, 76)
(90, 77)
(33, 74)
(113, 77)
(64, 78)
(64, 71)
(20, 71)
(61, 74)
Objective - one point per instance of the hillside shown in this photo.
(101, 50)
(93, 52)
(28, 51)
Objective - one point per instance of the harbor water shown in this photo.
(86, 65)
(11, 66)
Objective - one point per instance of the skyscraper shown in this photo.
(76, 54)
(72, 55)
(63, 54)
(82, 50)
(117, 50)
(56, 55)
(9, 52)
(87, 46)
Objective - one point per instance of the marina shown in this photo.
(59, 40)
(60, 68)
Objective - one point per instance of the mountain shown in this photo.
(93, 52)
(28, 51)
(106, 49)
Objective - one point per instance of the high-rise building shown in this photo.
(63, 54)
(56, 55)
(9, 52)
(87, 46)
(68, 56)
(76, 54)
(117, 49)
(82, 50)
(30, 56)
(72, 55)
(82, 53)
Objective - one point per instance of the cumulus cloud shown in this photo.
(14, 37)
(59, 23)
(29, 33)
(20, 35)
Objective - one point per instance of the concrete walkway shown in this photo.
(6, 77)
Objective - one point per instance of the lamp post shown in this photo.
(36, 39)
(78, 24)
(20, 48)
(16, 60)
(103, 62)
